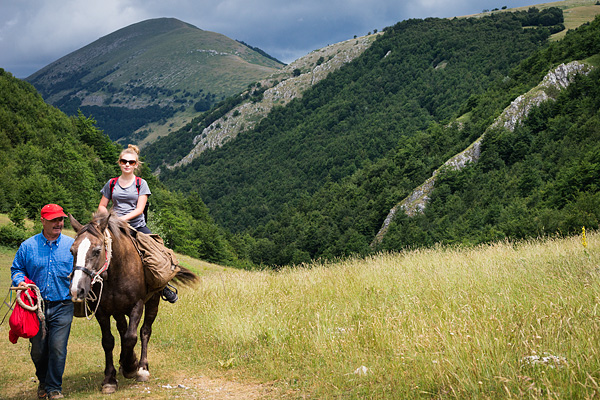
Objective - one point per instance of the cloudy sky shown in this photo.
(34, 33)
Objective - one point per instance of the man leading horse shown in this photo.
(45, 259)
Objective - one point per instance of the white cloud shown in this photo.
(60, 23)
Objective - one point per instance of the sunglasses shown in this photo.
(122, 161)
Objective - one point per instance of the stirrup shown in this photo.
(172, 287)
(172, 294)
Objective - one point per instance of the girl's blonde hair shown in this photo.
(132, 149)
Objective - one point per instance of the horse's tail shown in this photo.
(186, 277)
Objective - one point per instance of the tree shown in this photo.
(18, 215)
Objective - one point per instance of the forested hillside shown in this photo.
(47, 157)
(540, 179)
(316, 178)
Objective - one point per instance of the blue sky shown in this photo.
(34, 33)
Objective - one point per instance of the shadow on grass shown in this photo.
(84, 385)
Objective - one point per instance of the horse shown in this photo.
(106, 263)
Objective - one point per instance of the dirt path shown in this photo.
(206, 388)
(83, 382)
(199, 387)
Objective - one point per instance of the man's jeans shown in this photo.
(50, 354)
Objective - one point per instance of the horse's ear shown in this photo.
(74, 223)
(104, 222)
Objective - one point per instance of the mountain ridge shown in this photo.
(396, 87)
(246, 115)
(260, 184)
(280, 89)
(163, 62)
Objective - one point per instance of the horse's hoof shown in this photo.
(109, 388)
(143, 375)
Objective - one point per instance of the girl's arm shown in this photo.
(103, 206)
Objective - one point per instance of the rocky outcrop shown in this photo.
(553, 82)
(283, 86)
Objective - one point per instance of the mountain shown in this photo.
(232, 117)
(317, 174)
(316, 178)
(416, 73)
(149, 78)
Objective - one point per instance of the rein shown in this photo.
(95, 275)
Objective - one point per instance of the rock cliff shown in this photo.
(517, 111)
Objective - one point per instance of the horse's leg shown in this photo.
(109, 385)
(151, 310)
(128, 359)
(122, 328)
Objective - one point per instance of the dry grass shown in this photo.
(576, 13)
(508, 320)
(430, 323)
(577, 16)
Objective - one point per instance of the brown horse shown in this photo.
(106, 263)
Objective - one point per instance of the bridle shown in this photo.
(95, 275)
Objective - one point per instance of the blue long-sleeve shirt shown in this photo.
(47, 264)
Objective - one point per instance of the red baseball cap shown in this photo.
(51, 211)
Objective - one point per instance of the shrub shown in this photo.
(13, 236)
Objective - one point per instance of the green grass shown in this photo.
(438, 323)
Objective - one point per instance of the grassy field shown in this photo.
(576, 13)
(508, 320)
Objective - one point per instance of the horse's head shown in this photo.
(89, 254)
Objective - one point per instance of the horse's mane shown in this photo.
(116, 226)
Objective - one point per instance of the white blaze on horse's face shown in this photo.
(78, 275)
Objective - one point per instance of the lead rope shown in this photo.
(97, 278)
(38, 307)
